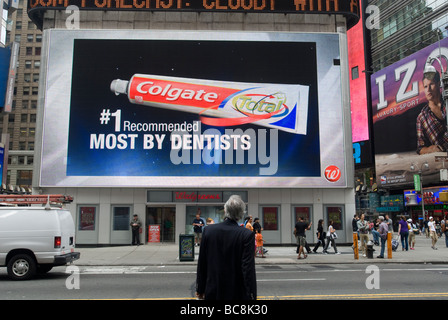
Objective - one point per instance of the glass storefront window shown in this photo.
(216, 213)
(335, 213)
(121, 218)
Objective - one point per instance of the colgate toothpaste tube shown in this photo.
(222, 103)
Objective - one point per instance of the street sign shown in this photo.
(417, 182)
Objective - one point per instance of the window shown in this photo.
(270, 216)
(87, 216)
(121, 218)
(27, 64)
(29, 38)
(24, 177)
(355, 73)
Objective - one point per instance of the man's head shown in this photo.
(234, 208)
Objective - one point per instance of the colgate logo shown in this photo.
(173, 93)
(332, 173)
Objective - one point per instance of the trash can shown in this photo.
(370, 250)
(186, 247)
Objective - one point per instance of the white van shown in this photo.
(35, 239)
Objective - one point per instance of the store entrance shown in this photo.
(164, 220)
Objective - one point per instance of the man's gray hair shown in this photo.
(234, 208)
(381, 218)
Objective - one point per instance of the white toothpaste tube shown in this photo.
(222, 103)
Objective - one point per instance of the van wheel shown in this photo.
(21, 267)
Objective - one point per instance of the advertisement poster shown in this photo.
(154, 233)
(184, 110)
(87, 218)
(270, 218)
(407, 133)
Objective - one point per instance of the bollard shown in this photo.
(389, 245)
(355, 245)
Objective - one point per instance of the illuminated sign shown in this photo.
(347, 8)
(165, 134)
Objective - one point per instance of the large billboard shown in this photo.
(409, 118)
(184, 109)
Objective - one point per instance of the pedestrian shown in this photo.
(389, 224)
(226, 263)
(375, 232)
(257, 226)
(403, 231)
(249, 224)
(412, 230)
(425, 224)
(135, 226)
(331, 236)
(445, 230)
(432, 232)
(383, 231)
(299, 231)
(363, 228)
(259, 244)
(198, 223)
(320, 235)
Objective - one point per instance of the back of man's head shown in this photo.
(234, 208)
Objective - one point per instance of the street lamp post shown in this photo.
(423, 167)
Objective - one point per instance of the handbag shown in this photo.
(334, 235)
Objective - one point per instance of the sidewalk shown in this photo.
(168, 254)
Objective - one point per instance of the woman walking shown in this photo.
(320, 235)
(403, 231)
(331, 236)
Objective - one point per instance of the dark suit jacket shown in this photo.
(226, 266)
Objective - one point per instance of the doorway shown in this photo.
(165, 219)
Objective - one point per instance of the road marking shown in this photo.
(353, 296)
(276, 280)
(359, 296)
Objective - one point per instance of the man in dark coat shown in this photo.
(226, 265)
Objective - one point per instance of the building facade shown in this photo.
(411, 36)
(19, 125)
(120, 155)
